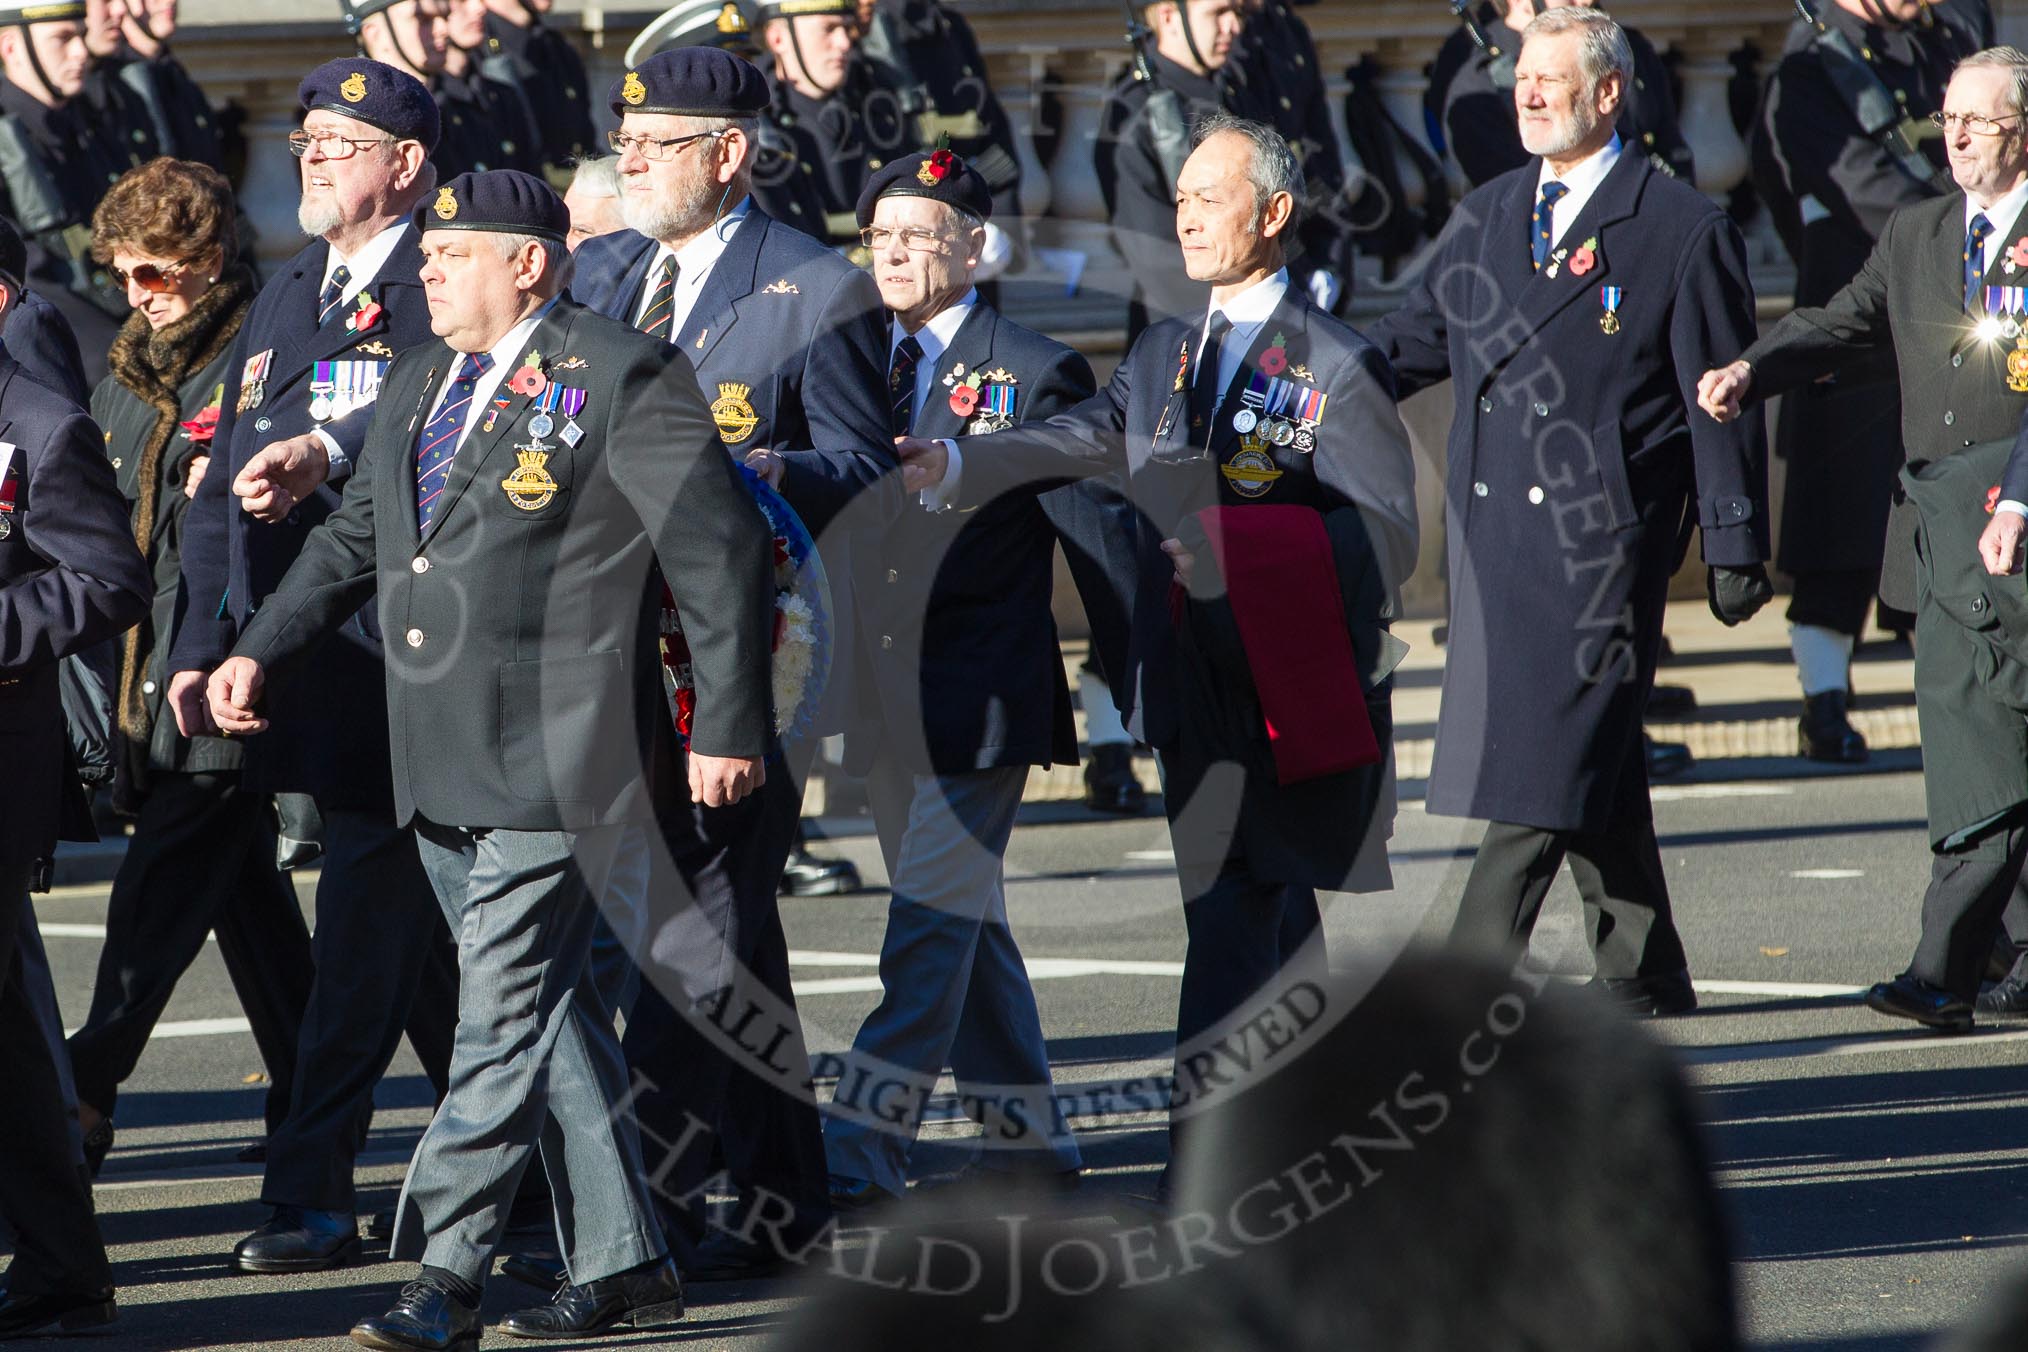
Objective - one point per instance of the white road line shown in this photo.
(1152, 856)
(57, 929)
(1880, 1045)
(1665, 793)
(1780, 988)
(1828, 873)
(816, 957)
(193, 1028)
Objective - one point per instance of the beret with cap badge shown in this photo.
(376, 94)
(504, 201)
(936, 174)
(691, 82)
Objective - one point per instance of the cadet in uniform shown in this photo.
(1144, 139)
(785, 340)
(529, 737)
(314, 349)
(70, 577)
(1470, 100)
(955, 712)
(486, 118)
(545, 66)
(57, 158)
(1842, 142)
(1943, 292)
(130, 50)
(824, 103)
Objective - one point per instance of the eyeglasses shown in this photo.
(914, 238)
(331, 145)
(150, 278)
(653, 148)
(1973, 122)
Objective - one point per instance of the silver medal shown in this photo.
(6, 524)
(320, 407)
(541, 425)
(1281, 433)
(1245, 421)
(1306, 440)
(572, 433)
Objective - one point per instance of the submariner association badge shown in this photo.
(733, 414)
(529, 487)
(1251, 471)
(2017, 366)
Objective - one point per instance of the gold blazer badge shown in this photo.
(733, 414)
(529, 487)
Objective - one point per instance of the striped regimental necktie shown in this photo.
(439, 441)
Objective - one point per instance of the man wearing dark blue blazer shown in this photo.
(70, 576)
(1265, 401)
(786, 340)
(1573, 305)
(966, 693)
(307, 367)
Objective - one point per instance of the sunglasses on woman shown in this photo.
(150, 278)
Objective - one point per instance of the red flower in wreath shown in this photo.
(1274, 361)
(363, 317)
(686, 708)
(202, 428)
(1583, 261)
(1992, 499)
(528, 381)
(965, 400)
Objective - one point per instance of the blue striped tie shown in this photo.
(440, 438)
(1975, 260)
(1545, 221)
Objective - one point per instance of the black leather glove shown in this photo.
(1737, 594)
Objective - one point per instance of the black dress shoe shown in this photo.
(1666, 760)
(98, 1143)
(725, 1257)
(1824, 733)
(297, 1241)
(982, 1177)
(1910, 997)
(646, 1298)
(1649, 997)
(253, 1152)
(543, 1271)
(425, 1318)
(857, 1194)
(2008, 999)
(1671, 701)
(806, 875)
(1110, 784)
(58, 1315)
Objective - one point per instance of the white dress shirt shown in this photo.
(2004, 214)
(363, 267)
(693, 267)
(935, 338)
(1247, 311)
(507, 355)
(1582, 181)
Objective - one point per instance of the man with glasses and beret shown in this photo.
(531, 734)
(785, 339)
(307, 363)
(1941, 294)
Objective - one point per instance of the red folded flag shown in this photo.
(1281, 580)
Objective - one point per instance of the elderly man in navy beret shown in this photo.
(313, 350)
(545, 459)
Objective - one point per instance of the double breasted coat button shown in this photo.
(1978, 604)
(147, 687)
(418, 565)
(1535, 494)
(415, 638)
(264, 424)
(1950, 419)
(1481, 489)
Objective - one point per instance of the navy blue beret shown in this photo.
(39, 11)
(505, 201)
(697, 23)
(375, 93)
(790, 9)
(691, 82)
(936, 174)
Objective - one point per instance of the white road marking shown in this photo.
(1676, 793)
(1152, 856)
(193, 1028)
(56, 929)
(1828, 873)
(1792, 989)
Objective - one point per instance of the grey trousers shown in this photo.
(536, 1060)
(953, 987)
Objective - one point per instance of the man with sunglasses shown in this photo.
(1935, 300)
(313, 350)
(786, 340)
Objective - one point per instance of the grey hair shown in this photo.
(558, 258)
(2010, 59)
(1272, 168)
(1605, 49)
(597, 175)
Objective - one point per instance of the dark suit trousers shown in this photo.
(1970, 887)
(1618, 873)
(44, 1198)
(718, 923)
(201, 861)
(382, 949)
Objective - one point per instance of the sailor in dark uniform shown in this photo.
(523, 51)
(1470, 100)
(131, 59)
(486, 117)
(822, 100)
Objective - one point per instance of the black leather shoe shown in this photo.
(725, 1257)
(1910, 997)
(806, 875)
(425, 1318)
(2008, 999)
(1666, 760)
(1109, 781)
(298, 1241)
(1649, 997)
(98, 1143)
(647, 1298)
(379, 1225)
(58, 1315)
(1671, 701)
(1824, 733)
(543, 1271)
(856, 1194)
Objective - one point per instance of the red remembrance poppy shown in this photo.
(1274, 361)
(1582, 262)
(203, 427)
(965, 401)
(528, 381)
(363, 317)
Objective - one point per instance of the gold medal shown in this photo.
(1609, 323)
